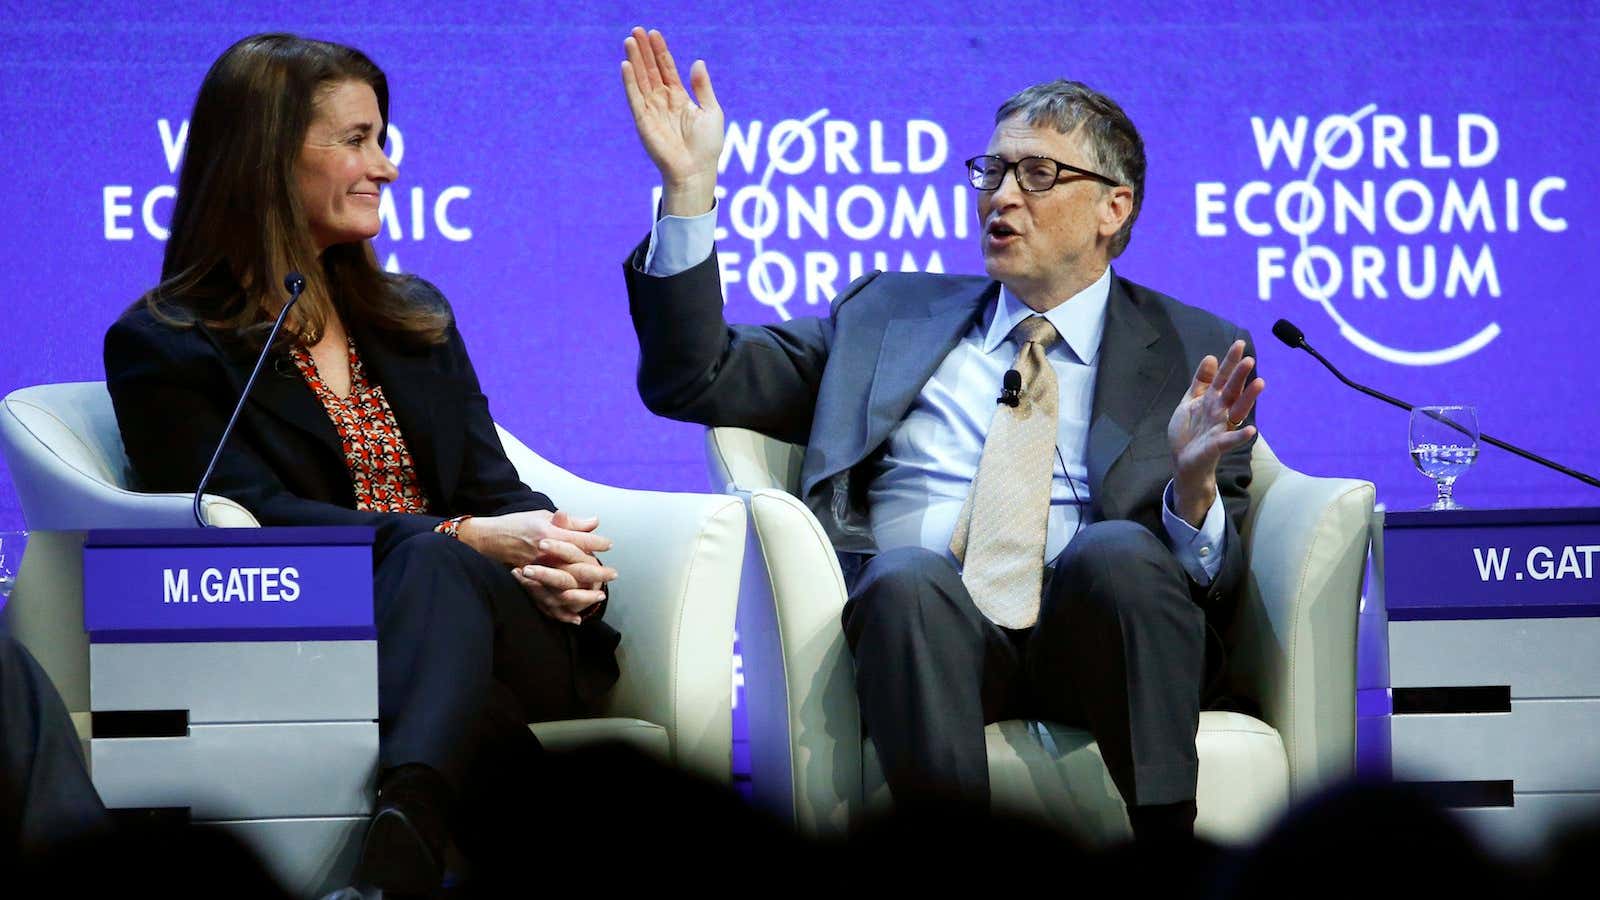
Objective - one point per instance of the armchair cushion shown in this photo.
(646, 737)
(1054, 774)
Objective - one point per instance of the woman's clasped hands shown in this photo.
(551, 554)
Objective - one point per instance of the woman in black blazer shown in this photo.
(488, 600)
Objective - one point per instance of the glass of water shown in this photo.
(1444, 443)
(12, 544)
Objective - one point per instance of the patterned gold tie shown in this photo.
(1001, 530)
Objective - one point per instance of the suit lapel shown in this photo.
(913, 348)
(279, 389)
(421, 397)
(914, 341)
(1136, 361)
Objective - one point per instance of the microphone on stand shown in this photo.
(1285, 331)
(1010, 389)
(295, 284)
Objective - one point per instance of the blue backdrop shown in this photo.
(1403, 180)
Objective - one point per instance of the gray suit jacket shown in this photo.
(840, 384)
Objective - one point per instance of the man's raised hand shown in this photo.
(1208, 422)
(683, 136)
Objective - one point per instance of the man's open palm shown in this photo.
(682, 135)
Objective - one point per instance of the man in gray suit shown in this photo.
(1068, 551)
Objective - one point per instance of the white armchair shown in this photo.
(1292, 649)
(679, 554)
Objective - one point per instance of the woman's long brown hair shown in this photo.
(237, 224)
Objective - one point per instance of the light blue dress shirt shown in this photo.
(932, 455)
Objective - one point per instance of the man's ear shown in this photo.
(1116, 205)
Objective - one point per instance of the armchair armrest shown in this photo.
(805, 725)
(678, 557)
(799, 679)
(1294, 640)
(745, 460)
(71, 474)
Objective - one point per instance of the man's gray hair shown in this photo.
(1114, 146)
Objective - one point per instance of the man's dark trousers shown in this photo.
(1119, 647)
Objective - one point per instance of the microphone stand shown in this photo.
(1285, 331)
(295, 284)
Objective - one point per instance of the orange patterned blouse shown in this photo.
(381, 468)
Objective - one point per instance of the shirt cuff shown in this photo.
(1200, 550)
(679, 243)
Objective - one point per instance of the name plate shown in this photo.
(1492, 564)
(228, 584)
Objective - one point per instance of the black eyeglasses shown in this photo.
(1034, 173)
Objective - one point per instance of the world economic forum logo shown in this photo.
(1365, 208)
(407, 212)
(807, 205)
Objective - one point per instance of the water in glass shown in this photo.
(1444, 444)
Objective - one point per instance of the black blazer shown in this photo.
(173, 389)
(840, 384)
